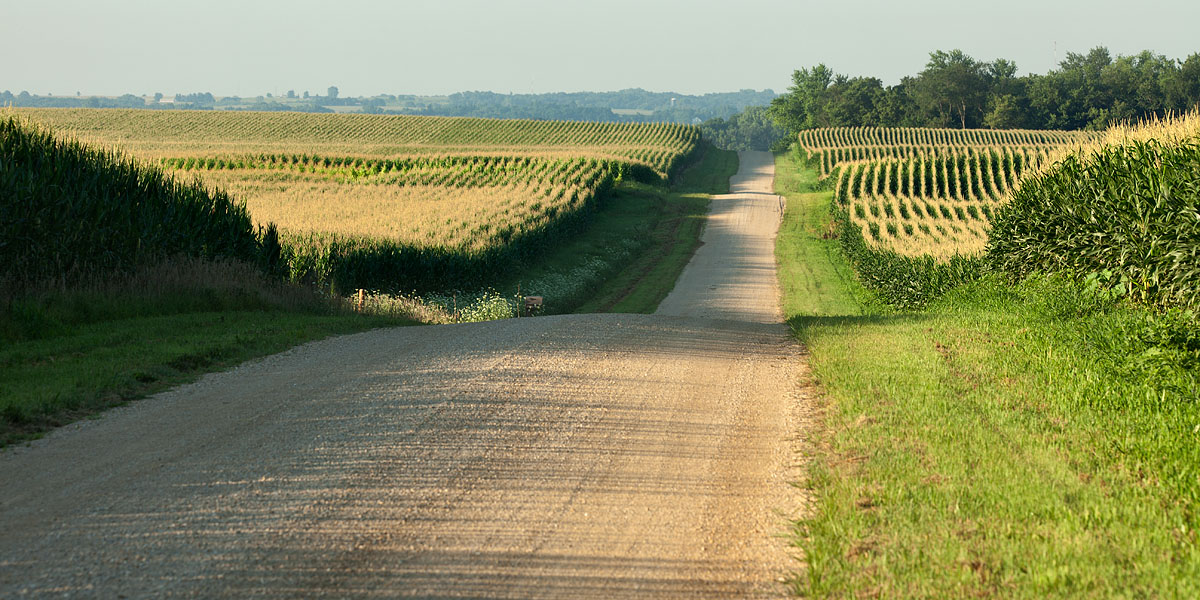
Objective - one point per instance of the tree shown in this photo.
(199, 98)
(851, 102)
(1073, 97)
(802, 107)
(895, 107)
(129, 101)
(953, 87)
(1181, 87)
(291, 93)
(1005, 113)
(753, 129)
(332, 91)
(158, 96)
(373, 106)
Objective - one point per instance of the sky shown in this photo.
(433, 47)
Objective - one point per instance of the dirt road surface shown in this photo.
(732, 275)
(569, 456)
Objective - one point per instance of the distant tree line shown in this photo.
(640, 105)
(598, 106)
(1087, 91)
(199, 98)
(26, 99)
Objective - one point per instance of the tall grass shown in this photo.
(176, 285)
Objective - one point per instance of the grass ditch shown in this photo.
(70, 353)
(1018, 441)
(677, 217)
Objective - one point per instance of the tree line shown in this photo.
(1087, 91)
(629, 105)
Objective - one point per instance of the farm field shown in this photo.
(518, 457)
(830, 147)
(214, 134)
(926, 192)
(396, 203)
(1033, 438)
(585, 300)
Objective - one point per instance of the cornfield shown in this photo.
(1126, 206)
(395, 203)
(469, 203)
(935, 205)
(914, 206)
(209, 134)
(829, 148)
(928, 192)
(68, 210)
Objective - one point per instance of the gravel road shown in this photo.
(579, 455)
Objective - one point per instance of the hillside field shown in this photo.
(114, 305)
(396, 203)
(926, 192)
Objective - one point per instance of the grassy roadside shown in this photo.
(678, 220)
(814, 277)
(1027, 441)
(69, 355)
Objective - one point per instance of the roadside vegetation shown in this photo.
(68, 352)
(1032, 432)
(117, 280)
(1124, 209)
(670, 234)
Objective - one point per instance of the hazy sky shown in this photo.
(249, 47)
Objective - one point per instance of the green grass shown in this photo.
(649, 276)
(710, 174)
(54, 380)
(814, 277)
(1031, 441)
(68, 355)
